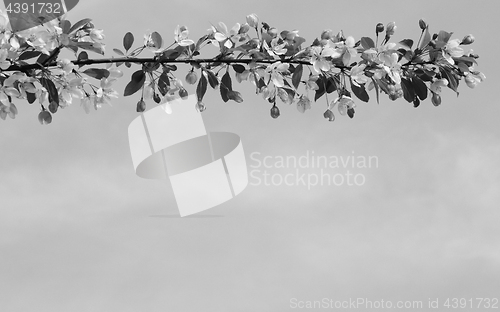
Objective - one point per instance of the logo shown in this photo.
(25, 14)
(205, 169)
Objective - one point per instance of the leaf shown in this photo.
(92, 46)
(444, 36)
(238, 68)
(136, 83)
(79, 25)
(212, 79)
(452, 80)
(28, 55)
(119, 52)
(97, 73)
(420, 87)
(157, 40)
(408, 91)
(65, 26)
(163, 83)
(426, 39)
(321, 88)
(128, 40)
(360, 92)
(225, 87)
(202, 88)
(331, 84)
(377, 91)
(297, 76)
(367, 43)
(406, 43)
(51, 89)
(31, 97)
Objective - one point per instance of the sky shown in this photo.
(81, 232)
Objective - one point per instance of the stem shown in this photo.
(166, 61)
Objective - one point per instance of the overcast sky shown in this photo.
(80, 232)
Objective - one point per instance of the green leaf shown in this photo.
(420, 87)
(51, 89)
(238, 68)
(297, 76)
(367, 43)
(212, 79)
(225, 87)
(406, 43)
(97, 73)
(128, 40)
(28, 55)
(157, 40)
(136, 83)
(79, 25)
(360, 92)
(426, 39)
(408, 91)
(202, 88)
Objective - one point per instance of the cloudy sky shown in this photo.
(79, 231)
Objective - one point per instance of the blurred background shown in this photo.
(79, 231)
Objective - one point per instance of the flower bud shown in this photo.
(191, 77)
(253, 20)
(45, 117)
(183, 93)
(328, 114)
(436, 99)
(416, 102)
(273, 32)
(275, 112)
(235, 96)
(390, 29)
(244, 28)
(379, 28)
(422, 24)
(468, 40)
(326, 34)
(200, 107)
(156, 98)
(141, 106)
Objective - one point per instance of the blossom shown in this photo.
(437, 84)
(318, 58)
(221, 34)
(105, 93)
(452, 49)
(181, 36)
(472, 79)
(345, 49)
(275, 72)
(303, 104)
(358, 74)
(73, 89)
(344, 103)
(96, 34)
(4, 64)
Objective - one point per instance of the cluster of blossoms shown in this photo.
(275, 62)
(32, 69)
